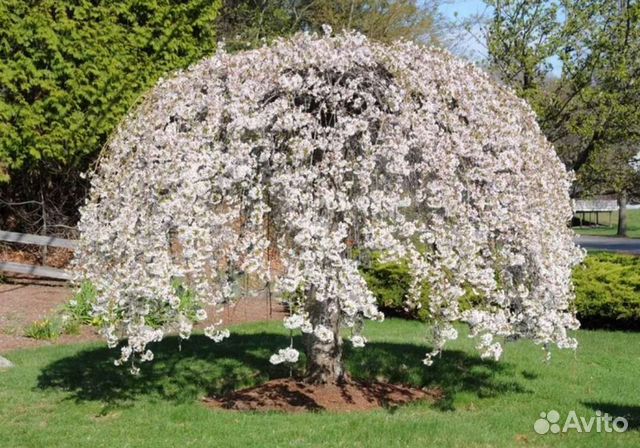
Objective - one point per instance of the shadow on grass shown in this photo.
(202, 367)
(454, 371)
(630, 412)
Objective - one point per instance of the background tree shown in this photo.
(593, 102)
(244, 24)
(602, 57)
(522, 37)
(247, 23)
(69, 72)
(610, 123)
(614, 170)
(592, 108)
(383, 20)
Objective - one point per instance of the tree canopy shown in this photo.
(595, 46)
(307, 152)
(249, 23)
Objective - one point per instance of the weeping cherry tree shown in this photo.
(310, 152)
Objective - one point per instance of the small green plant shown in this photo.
(78, 310)
(70, 326)
(69, 318)
(45, 329)
(160, 315)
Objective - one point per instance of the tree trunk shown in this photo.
(324, 363)
(622, 214)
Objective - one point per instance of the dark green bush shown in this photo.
(608, 291)
(69, 72)
(390, 283)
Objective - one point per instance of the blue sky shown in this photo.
(459, 10)
(464, 8)
(470, 46)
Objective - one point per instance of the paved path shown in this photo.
(610, 244)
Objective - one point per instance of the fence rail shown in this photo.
(38, 271)
(37, 240)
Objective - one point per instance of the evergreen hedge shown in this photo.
(607, 290)
(70, 70)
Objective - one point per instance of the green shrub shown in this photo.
(45, 329)
(390, 283)
(71, 70)
(78, 309)
(608, 291)
(77, 312)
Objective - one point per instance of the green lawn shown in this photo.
(74, 396)
(610, 229)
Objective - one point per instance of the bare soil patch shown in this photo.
(55, 257)
(23, 303)
(291, 395)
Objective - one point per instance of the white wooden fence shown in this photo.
(38, 240)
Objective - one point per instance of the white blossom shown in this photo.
(215, 334)
(294, 321)
(289, 355)
(323, 333)
(276, 358)
(147, 356)
(358, 341)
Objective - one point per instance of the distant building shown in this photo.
(589, 210)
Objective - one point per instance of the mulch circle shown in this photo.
(292, 395)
